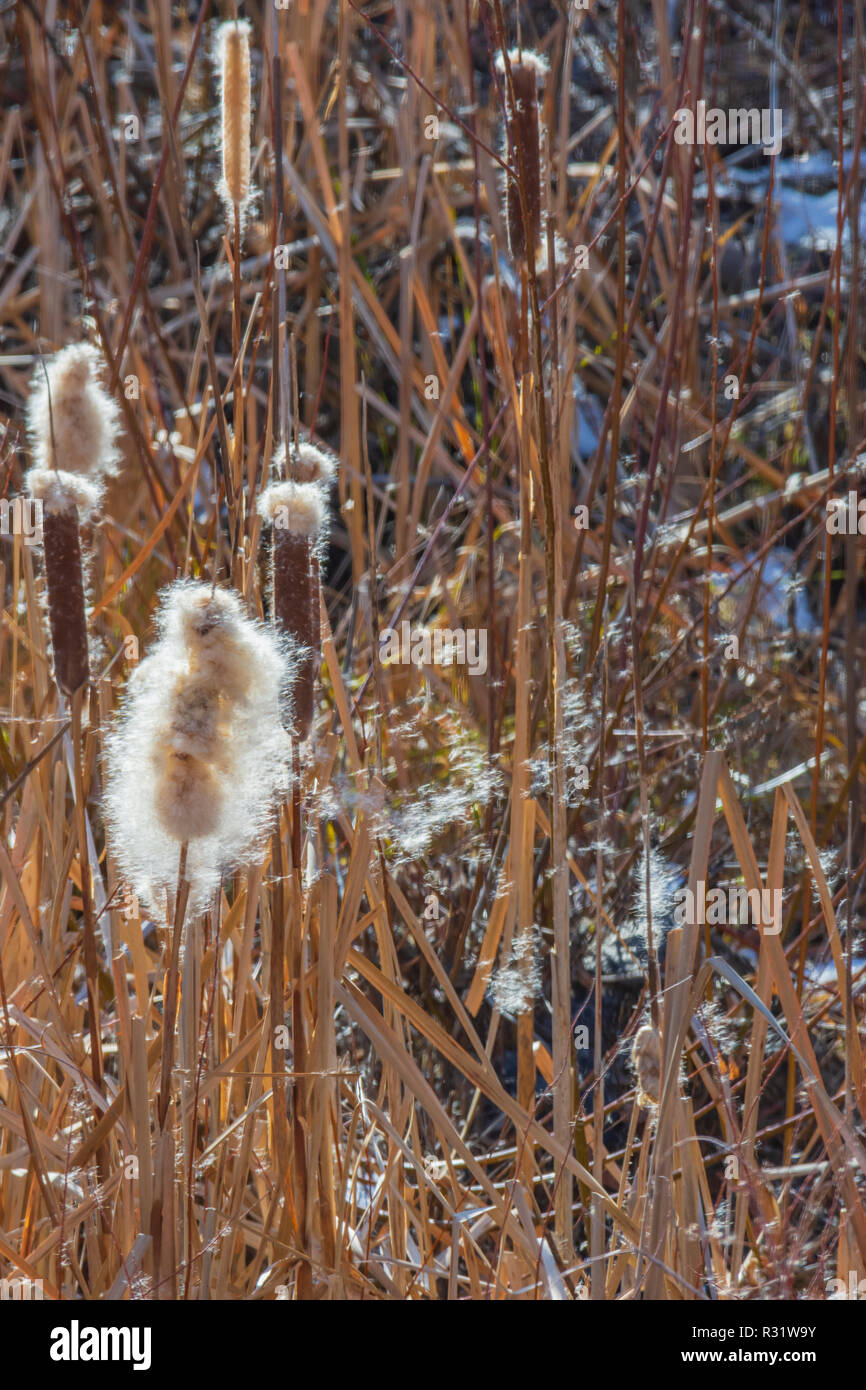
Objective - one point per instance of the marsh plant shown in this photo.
(199, 755)
(443, 581)
(72, 425)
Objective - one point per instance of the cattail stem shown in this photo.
(66, 605)
(237, 395)
(277, 1006)
(91, 958)
(91, 961)
(299, 1047)
(169, 1011)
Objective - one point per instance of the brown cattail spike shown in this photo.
(296, 512)
(524, 151)
(293, 595)
(66, 604)
(234, 61)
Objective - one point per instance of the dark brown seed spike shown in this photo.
(293, 613)
(317, 614)
(66, 606)
(523, 123)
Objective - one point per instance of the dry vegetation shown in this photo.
(440, 1037)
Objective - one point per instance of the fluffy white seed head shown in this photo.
(309, 463)
(198, 753)
(72, 421)
(523, 58)
(296, 507)
(188, 796)
(56, 489)
(315, 465)
(209, 624)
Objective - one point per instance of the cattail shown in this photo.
(198, 755)
(310, 464)
(233, 46)
(523, 149)
(296, 512)
(67, 610)
(646, 1060)
(71, 419)
(72, 424)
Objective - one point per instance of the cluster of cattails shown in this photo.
(233, 52)
(297, 511)
(646, 1060)
(198, 756)
(522, 75)
(72, 425)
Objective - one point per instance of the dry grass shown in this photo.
(376, 1091)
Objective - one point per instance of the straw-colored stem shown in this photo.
(170, 997)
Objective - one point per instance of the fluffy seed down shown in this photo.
(198, 754)
(309, 463)
(71, 419)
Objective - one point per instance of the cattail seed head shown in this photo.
(67, 610)
(295, 594)
(233, 46)
(296, 512)
(523, 148)
(57, 490)
(646, 1060)
(309, 463)
(198, 719)
(198, 754)
(71, 419)
(208, 625)
(187, 797)
(72, 425)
